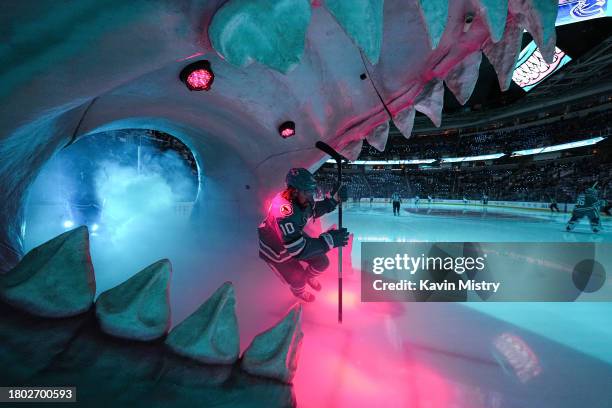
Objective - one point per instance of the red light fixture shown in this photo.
(198, 76)
(287, 129)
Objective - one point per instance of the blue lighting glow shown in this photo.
(493, 156)
(472, 158)
(387, 162)
(555, 148)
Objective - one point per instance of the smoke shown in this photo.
(140, 199)
(135, 199)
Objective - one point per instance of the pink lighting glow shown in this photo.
(200, 80)
(287, 129)
(197, 54)
(198, 76)
(287, 132)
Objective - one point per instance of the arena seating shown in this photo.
(560, 176)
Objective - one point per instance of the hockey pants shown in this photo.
(396, 207)
(295, 275)
(580, 213)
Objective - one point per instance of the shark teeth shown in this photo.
(538, 17)
(210, 334)
(495, 13)
(55, 279)
(379, 136)
(503, 54)
(139, 308)
(352, 150)
(205, 343)
(275, 352)
(272, 33)
(362, 21)
(431, 100)
(435, 16)
(404, 121)
(462, 79)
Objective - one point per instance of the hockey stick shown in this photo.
(339, 159)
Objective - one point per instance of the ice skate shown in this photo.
(314, 283)
(305, 296)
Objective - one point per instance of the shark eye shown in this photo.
(468, 20)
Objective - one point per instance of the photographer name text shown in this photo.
(406, 264)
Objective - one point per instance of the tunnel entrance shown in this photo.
(134, 189)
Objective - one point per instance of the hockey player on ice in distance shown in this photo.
(606, 205)
(396, 199)
(553, 205)
(587, 205)
(284, 245)
(485, 198)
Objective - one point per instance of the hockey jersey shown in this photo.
(395, 197)
(587, 201)
(282, 236)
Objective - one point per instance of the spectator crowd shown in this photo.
(517, 179)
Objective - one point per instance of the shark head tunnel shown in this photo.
(124, 185)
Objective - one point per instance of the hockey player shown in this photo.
(606, 205)
(396, 199)
(283, 244)
(416, 200)
(553, 205)
(587, 205)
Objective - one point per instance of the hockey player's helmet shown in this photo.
(301, 179)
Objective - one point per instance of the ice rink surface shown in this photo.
(459, 223)
(467, 355)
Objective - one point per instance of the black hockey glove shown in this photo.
(336, 237)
